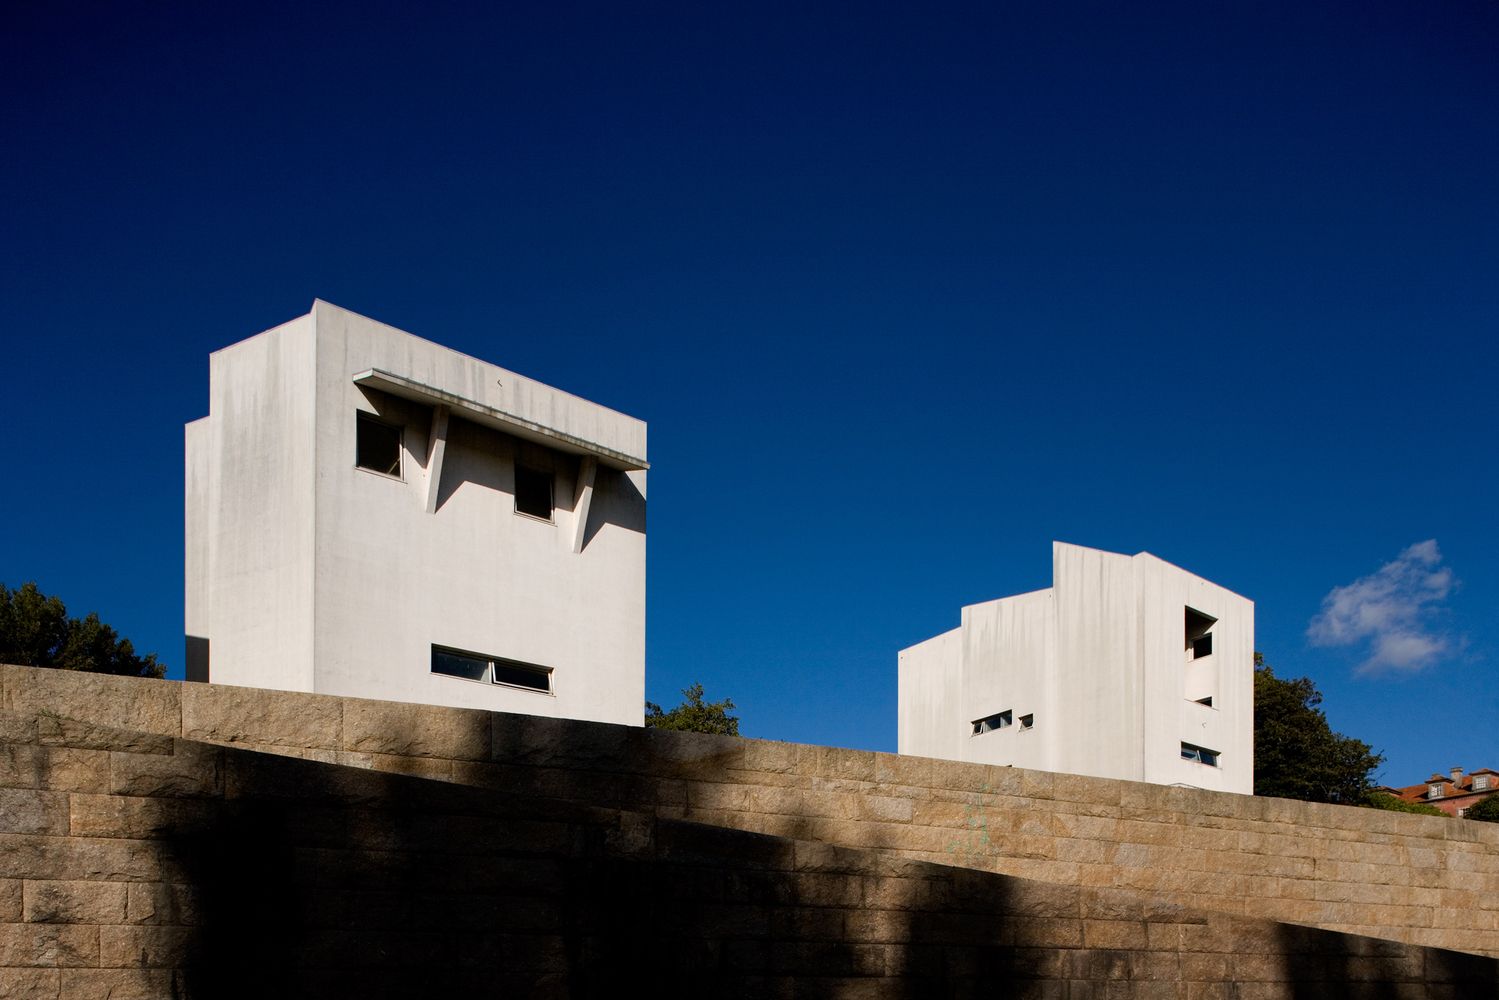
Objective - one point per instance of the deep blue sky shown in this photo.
(904, 295)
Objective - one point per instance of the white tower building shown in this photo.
(371, 514)
(1127, 667)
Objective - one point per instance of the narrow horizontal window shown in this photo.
(1200, 755)
(526, 675)
(1208, 701)
(472, 668)
(992, 722)
(491, 669)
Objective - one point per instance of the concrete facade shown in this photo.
(1126, 667)
(317, 562)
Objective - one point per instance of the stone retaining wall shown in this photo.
(1418, 879)
(138, 866)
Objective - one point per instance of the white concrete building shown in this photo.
(1127, 667)
(371, 514)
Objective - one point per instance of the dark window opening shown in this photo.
(990, 723)
(526, 675)
(1208, 701)
(1199, 636)
(491, 670)
(1200, 755)
(533, 492)
(474, 668)
(378, 446)
(1027, 721)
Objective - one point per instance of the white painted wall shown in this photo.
(387, 579)
(1099, 659)
(260, 499)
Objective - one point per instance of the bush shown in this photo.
(1384, 800)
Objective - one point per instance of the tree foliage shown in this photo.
(695, 715)
(1296, 753)
(36, 631)
(1384, 800)
(1486, 811)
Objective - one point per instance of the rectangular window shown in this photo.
(533, 492)
(1433, 791)
(1027, 722)
(1200, 755)
(1202, 647)
(990, 723)
(377, 445)
(1480, 782)
(491, 669)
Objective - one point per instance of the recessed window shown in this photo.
(1200, 755)
(990, 723)
(1198, 634)
(1208, 701)
(377, 446)
(491, 670)
(533, 492)
(1027, 722)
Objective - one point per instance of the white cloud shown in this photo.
(1397, 611)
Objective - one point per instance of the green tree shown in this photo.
(694, 715)
(35, 631)
(1384, 800)
(1486, 811)
(1296, 753)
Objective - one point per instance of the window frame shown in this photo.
(491, 662)
(1000, 720)
(1195, 754)
(362, 417)
(551, 478)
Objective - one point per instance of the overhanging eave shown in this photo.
(489, 416)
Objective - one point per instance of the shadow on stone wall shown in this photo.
(312, 879)
(1324, 965)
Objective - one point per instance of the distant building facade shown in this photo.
(1454, 793)
(1126, 667)
(373, 515)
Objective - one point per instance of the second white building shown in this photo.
(1126, 667)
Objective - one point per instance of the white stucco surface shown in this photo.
(308, 573)
(1101, 664)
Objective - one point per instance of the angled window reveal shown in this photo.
(1027, 722)
(1200, 755)
(491, 670)
(1200, 672)
(377, 445)
(1199, 634)
(992, 722)
(533, 492)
